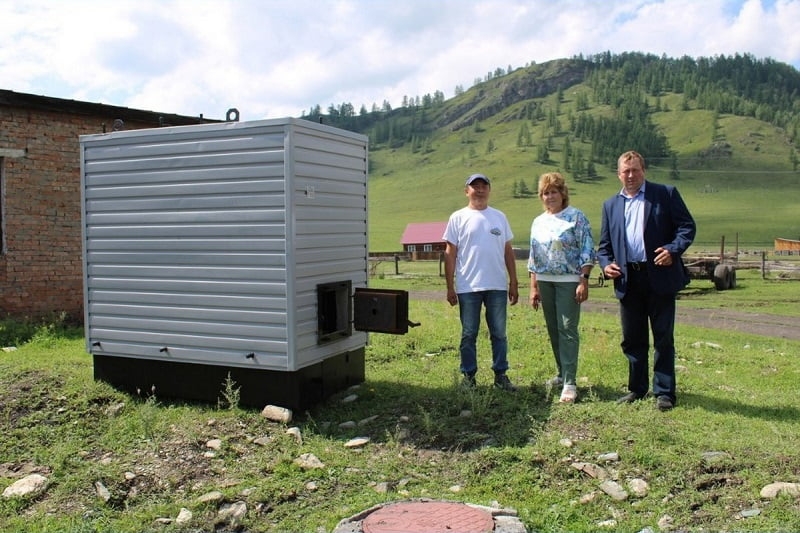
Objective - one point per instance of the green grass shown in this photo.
(740, 399)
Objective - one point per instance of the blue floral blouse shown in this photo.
(561, 243)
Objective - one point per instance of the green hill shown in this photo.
(724, 130)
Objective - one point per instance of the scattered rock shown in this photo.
(184, 516)
(295, 432)
(102, 492)
(367, 420)
(665, 522)
(214, 444)
(356, 442)
(350, 398)
(639, 487)
(455, 488)
(350, 424)
(597, 472)
(309, 461)
(211, 497)
(712, 345)
(614, 489)
(277, 414)
(610, 457)
(31, 485)
(232, 513)
(567, 443)
(773, 489)
(748, 513)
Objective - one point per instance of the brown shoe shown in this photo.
(630, 397)
(501, 381)
(664, 403)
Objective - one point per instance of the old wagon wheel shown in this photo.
(731, 277)
(720, 277)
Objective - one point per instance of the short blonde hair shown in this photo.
(554, 180)
(627, 156)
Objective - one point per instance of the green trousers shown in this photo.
(562, 315)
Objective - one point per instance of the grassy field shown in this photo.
(733, 432)
(735, 176)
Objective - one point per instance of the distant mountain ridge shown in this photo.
(721, 128)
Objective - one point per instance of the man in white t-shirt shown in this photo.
(481, 272)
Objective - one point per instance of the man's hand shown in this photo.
(612, 271)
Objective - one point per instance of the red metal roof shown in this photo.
(423, 233)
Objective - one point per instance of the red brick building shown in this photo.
(40, 196)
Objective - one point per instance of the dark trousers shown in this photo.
(639, 308)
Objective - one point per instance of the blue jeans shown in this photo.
(469, 307)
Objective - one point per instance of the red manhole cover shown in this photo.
(428, 517)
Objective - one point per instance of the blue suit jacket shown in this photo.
(667, 224)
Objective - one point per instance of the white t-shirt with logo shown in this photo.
(481, 236)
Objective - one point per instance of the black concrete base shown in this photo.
(297, 390)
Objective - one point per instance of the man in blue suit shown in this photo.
(645, 230)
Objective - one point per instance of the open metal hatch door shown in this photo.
(381, 311)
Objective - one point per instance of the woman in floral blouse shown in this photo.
(560, 263)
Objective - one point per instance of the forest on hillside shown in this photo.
(631, 84)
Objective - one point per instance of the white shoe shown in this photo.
(569, 394)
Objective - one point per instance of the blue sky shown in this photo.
(276, 58)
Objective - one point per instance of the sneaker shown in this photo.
(501, 381)
(469, 381)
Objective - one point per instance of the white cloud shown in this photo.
(272, 58)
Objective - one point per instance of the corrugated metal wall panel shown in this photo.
(261, 260)
(256, 316)
(197, 355)
(207, 243)
(185, 242)
(191, 301)
(329, 244)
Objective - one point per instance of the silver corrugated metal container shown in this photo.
(231, 245)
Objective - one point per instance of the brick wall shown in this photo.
(41, 263)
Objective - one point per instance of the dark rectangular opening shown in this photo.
(334, 311)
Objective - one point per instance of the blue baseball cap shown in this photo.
(477, 177)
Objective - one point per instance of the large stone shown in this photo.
(773, 489)
(30, 485)
(277, 414)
